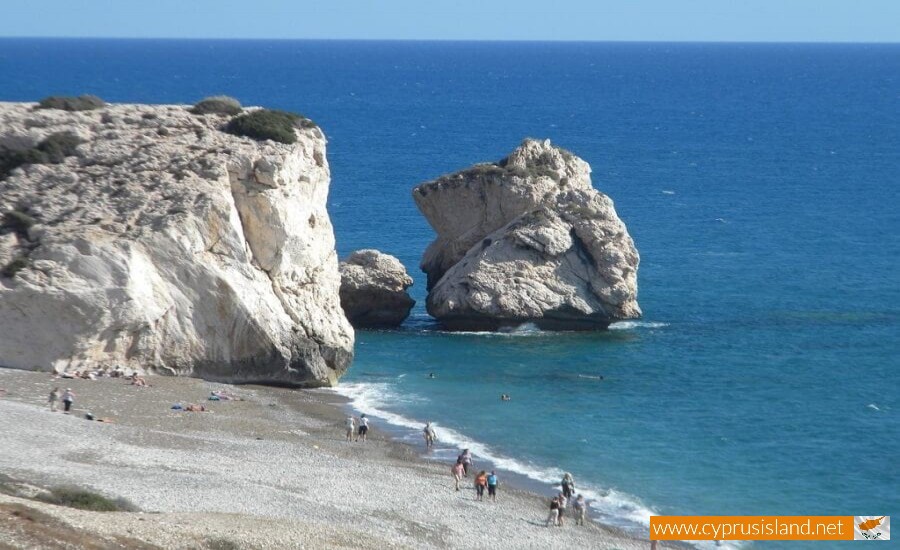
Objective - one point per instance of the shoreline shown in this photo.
(410, 437)
(278, 455)
(511, 481)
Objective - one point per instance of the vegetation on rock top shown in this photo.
(218, 105)
(72, 103)
(502, 169)
(535, 168)
(266, 124)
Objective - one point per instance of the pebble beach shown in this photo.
(272, 470)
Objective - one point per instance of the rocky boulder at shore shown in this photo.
(527, 240)
(163, 244)
(373, 289)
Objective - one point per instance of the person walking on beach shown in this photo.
(350, 424)
(466, 459)
(568, 485)
(429, 434)
(553, 518)
(580, 508)
(54, 397)
(458, 472)
(563, 501)
(492, 483)
(68, 397)
(480, 484)
(363, 427)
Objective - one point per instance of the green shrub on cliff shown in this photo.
(15, 221)
(73, 497)
(486, 169)
(71, 103)
(56, 147)
(503, 169)
(268, 124)
(18, 222)
(52, 150)
(10, 159)
(219, 105)
(9, 270)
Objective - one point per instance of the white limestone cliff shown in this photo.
(167, 245)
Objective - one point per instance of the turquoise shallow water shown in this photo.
(760, 183)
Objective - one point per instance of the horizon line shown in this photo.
(454, 40)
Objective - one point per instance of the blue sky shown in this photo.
(663, 20)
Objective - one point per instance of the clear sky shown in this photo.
(662, 20)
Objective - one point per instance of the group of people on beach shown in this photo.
(67, 397)
(115, 372)
(118, 372)
(559, 503)
(461, 468)
(490, 482)
(358, 426)
(484, 481)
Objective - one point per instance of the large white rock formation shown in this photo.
(168, 245)
(374, 289)
(527, 240)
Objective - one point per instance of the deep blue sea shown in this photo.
(760, 184)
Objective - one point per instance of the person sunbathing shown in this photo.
(222, 395)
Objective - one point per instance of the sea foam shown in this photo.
(631, 325)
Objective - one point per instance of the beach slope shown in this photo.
(271, 471)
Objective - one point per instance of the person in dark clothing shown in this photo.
(554, 512)
(68, 397)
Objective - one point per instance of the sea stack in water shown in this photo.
(373, 290)
(151, 239)
(527, 240)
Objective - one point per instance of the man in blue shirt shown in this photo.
(492, 485)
